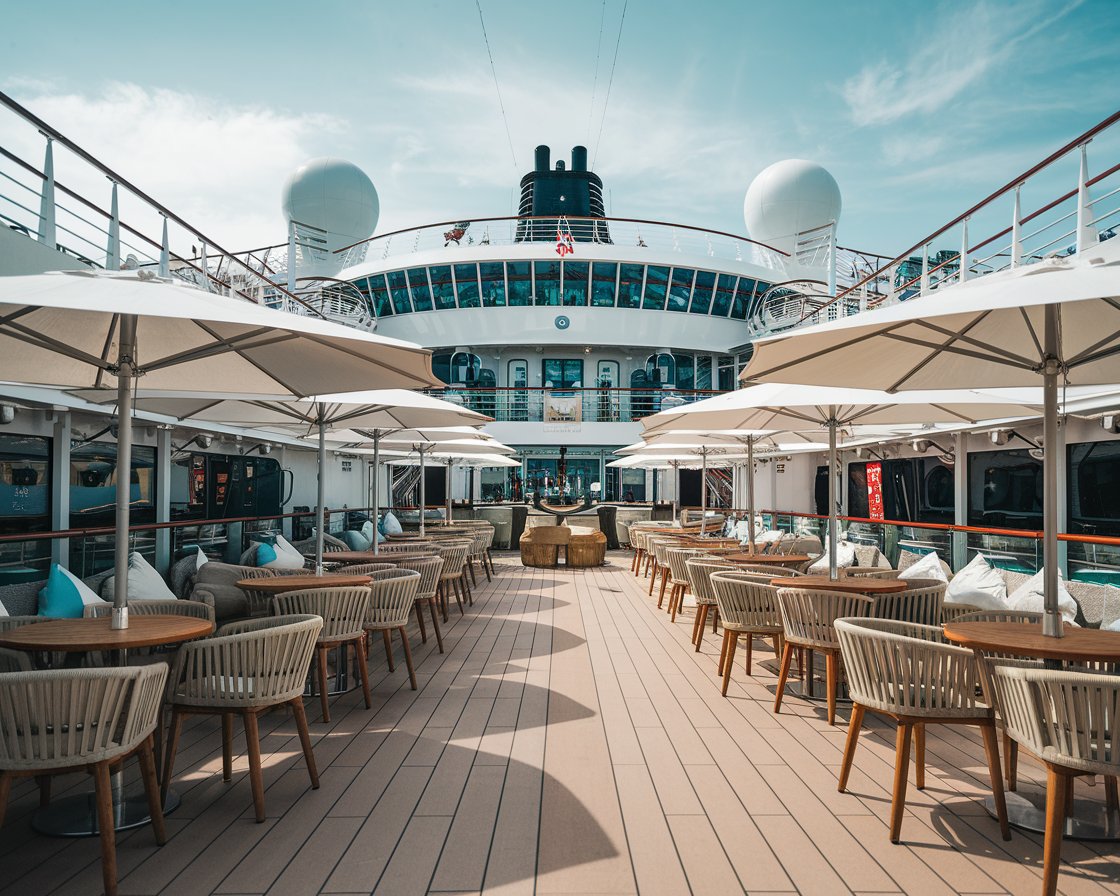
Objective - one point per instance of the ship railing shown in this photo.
(562, 408)
(1057, 207)
(73, 203)
(1084, 556)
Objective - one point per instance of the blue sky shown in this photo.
(918, 109)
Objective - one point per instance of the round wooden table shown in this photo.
(1090, 820)
(849, 585)
(768, 559)
(282, 584)
(76, 816)
(397, 557)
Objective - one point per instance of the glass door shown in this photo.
(562, 373)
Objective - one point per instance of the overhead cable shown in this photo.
(610, 81)
(497, 89)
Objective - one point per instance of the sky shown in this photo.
(918, 109)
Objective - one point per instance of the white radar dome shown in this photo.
(788, 198)
(332, 196)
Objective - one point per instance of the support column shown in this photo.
(960, 502)
(113, 248)
(47, 230)
(60, 487)
(163, 499)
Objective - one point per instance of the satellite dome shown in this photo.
(334, 196)
(788, 198)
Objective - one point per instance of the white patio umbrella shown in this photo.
(776, 406)
(86, 330)
(385, 410)
(1050, 322)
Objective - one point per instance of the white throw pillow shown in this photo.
(144, 583)
(367, 531)
(978, 585)
(929, 567)
(768, 537)
(1113, 626)
(287, 557)
(3, 610)
(845, 557)
(391, 525)
(200, 560)
(1029, 596)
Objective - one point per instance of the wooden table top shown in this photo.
(848, 584)
(775, 559)
(77, 635)
(1026, 639)
(281, 584)
(400, 557)
(362, 556)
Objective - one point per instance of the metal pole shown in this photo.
(376, 474)
(447, 489)
(319, 529)
(126, 368)
(832, 521)
(1052, 620)
(676, 465)
(421, 450)
(703, 488)
(750, 491)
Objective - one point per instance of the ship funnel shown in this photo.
(542, 157)
(579, 158)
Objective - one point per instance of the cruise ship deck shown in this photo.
(570, 740)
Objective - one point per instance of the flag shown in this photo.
(565, 245)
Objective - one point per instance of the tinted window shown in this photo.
(493, 283)
(443, 290)
(93, 484)
(630, 285)
(25, 485)
(398, 289)
(657, 279)
(546, 284)
(603, 276)
(741, 307)
(725, 292)
(575, 282)
(380, 296)
(702, 292)
(1094, 488)
(680, 289)
(520, 289)
(421, 294)
(466, 282)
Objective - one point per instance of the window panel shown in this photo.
(398, 289)
(725, 292)
(493, 276)
(603, 277)
(742, 303)
(382, 304)
(546, 283)
(518, 274)
(630, 280)
(443, 290)
(575, 283)
(466, 283)
(702, 292)
(680, 289)
(421, 294)
(657, 281)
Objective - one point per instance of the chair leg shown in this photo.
(722, 653)
(442, 593)
(1057, 785)
(901, 767)
(408, 658)
(151, 788)
(44, 782)
(470, 566)
(435, 623)
(485, 567)
(729, 660)
(227, 746)
(5, 793)
(321, 662)
(920, 756)
(715, 619)
(420, 621)
(991, 751)
(832, 670)
(305, 741)
(787, 657)
(750, 650)
(665, 574)
(256, 778)
(854, 726)
(104, 792)
(363, 670)
(169, 753)
(388, 649)
(698, 625)
(1111, 800)
(458, 596)
(1011, 761)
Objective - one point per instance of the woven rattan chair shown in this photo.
(653, 566)
(405, 547)
(746, 607)
(807, 619)
(390, 604)
(1069, 720)
(343, 611)
(246, 669)
(429, 569)
(921, 603)
(67, 720)
(454, 557)
(362, 569)
(676, 565)
(14, 661)
(908, 673)
(699, 571)
(867, 572)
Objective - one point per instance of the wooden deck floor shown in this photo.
(569, 741)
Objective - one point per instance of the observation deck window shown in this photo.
(519, 276)
(546, 282)
(685, 372)
(703, 372)
(575, 283)
(726, 373)
(93, 483)
(631, 279)
(466, 283)
(25, 486)
(743, 294)
(398, 288)
(680, 289)
(421, 292)
(661, 369)
(379, 295)
(702, 292)
(443, 289)
(725, 293)
(604, 278)
(492, 275)
(657, 280)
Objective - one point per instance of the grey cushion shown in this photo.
(215, 584)
(181, 575)
(21, 599)
(355, 540)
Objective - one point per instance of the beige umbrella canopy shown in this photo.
(87, 330)
(1057, 321)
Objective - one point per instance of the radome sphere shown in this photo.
(334, 196)
(790, 197)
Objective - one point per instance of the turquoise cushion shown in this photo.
(64, 596)
(266, 554)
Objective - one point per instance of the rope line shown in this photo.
(595, 79)
(610, 82)
(497, 89)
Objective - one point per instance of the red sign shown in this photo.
(875, 491)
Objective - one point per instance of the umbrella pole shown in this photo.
(376, 473)
(126, 359)
(1052, 619)
(703, 489)
(447, 488)
(422, 489)
(676, 465)
(320, 494)
(750, 492)
(832, 521)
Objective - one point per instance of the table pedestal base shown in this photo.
(76, 816)
(1090, 820)
(815, 687)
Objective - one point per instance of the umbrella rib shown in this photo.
(998, 358)
(1085, 358)
(812, 355)
(344, 350)
(963, 337)
(227, 345)
(113, 321)
(1031, 330)
(32, 337)
(1089, 352)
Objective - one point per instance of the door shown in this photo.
(562, 373)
